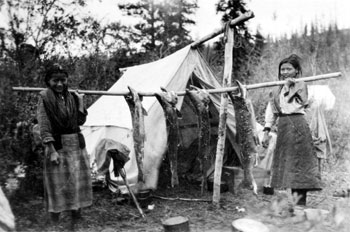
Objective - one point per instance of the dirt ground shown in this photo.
(109, 214)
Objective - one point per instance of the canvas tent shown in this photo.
(109, 117)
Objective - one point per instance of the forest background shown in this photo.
(44, 32)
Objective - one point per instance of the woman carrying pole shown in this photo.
(294, 163)
(67, 176)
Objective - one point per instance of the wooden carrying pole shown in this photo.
(182, 93)
(240, 19)
(223, 115)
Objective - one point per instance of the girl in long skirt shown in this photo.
(294, 163)
(67, 176)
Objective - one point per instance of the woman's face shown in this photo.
(58, 82)
(288, 71)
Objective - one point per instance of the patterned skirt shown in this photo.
(68, 184)
(295, 164)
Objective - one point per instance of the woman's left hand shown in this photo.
(290, 81)
(79, 95)
(266, 139)
(80, 98)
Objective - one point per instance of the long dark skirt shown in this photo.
(68, 185)
(295, 163)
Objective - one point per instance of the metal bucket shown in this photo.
(176, 224)
(144, 198)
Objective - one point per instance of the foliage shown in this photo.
(163, 28)
(105, 38)
(338, 119)
(20, 65)
(56, 29)
(99, 72)
(52, 28)
(247, 49)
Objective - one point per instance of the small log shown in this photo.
(109, 229)
(176, 224)
(181, 199)
(248, 225)
(316, 215)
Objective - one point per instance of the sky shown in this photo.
(272, 17)
(278, 17)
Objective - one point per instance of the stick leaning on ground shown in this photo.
(123, 175)
(182, 93)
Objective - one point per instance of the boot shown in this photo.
(76, 217)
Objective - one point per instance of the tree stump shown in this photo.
(176, 224)
(109, 229)
(248, 225)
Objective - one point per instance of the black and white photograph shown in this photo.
(174, 115)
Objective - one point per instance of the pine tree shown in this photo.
(163, 26)
(247, 48)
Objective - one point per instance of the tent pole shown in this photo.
(240, 19)
(182, 93)
(223, 115)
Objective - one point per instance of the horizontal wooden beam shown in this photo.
(182, 93)
(240, 19)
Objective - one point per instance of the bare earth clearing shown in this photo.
(108, 214)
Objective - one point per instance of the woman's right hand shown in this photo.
(265, 140)
(54, 158)
(52, 153)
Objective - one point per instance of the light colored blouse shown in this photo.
(288, 100)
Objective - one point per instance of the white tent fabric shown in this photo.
(321, 99)
(321, 95)
(109, 117)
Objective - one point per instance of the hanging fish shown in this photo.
(200, 99)
(168, 101)
(246, 134)
(134, 101)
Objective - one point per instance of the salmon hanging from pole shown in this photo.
(139, 135)
(246, 134)
(168, 101)
(200, 100)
